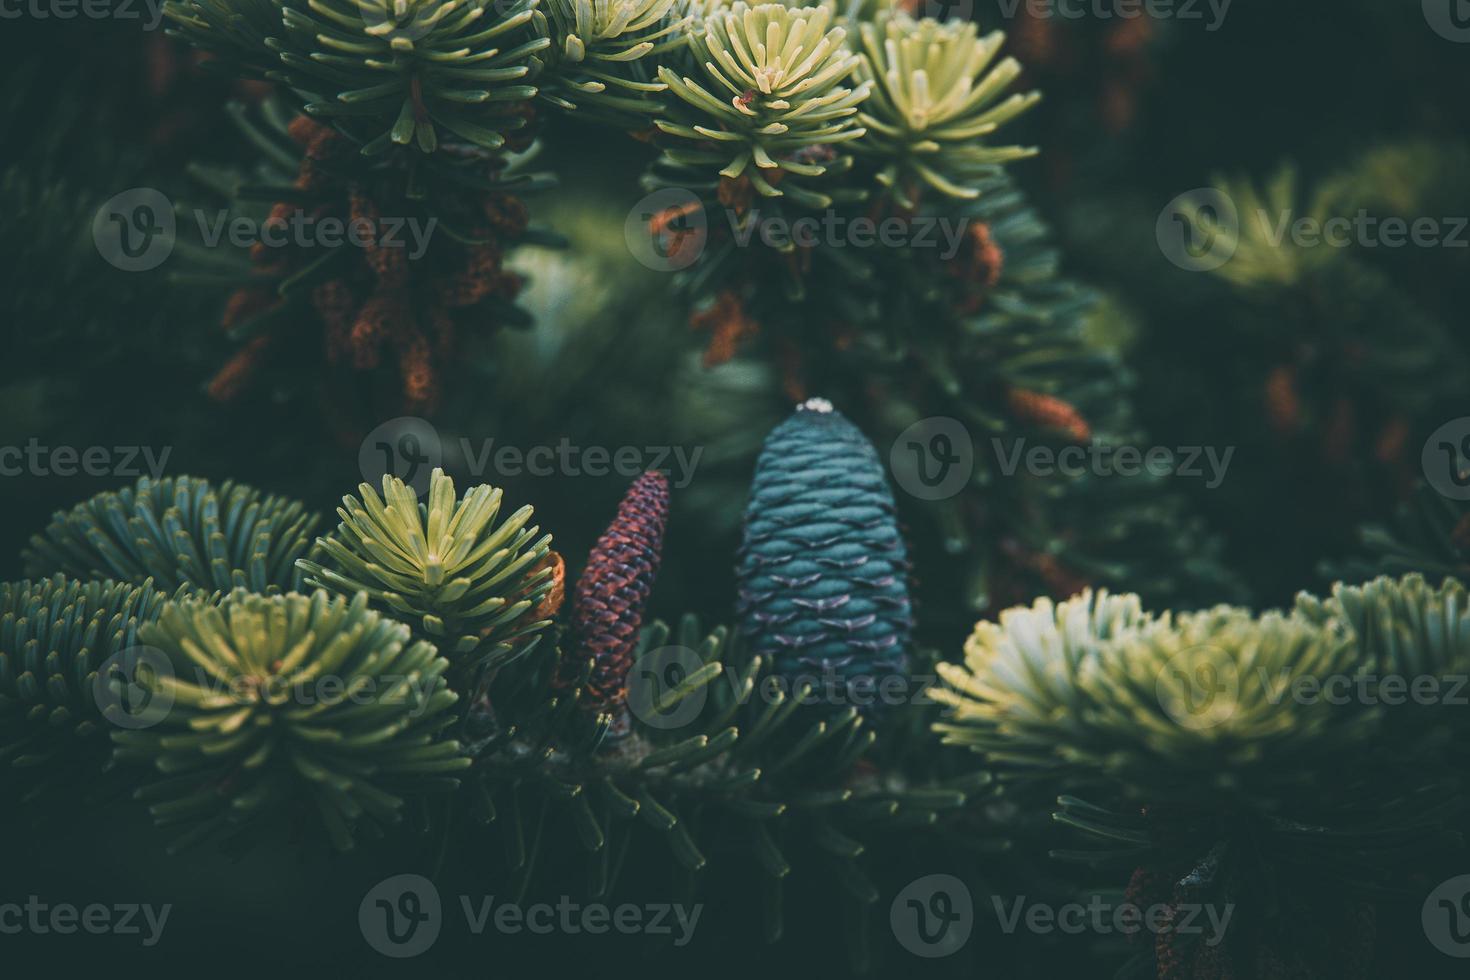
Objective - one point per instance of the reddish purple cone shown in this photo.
(607, 607)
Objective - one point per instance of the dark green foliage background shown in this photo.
(90, 356)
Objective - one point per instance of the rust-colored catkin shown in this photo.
(983, 259)
(507, 215)
(235, 376)
(1283, 402)
(244, 304)
(736, 193)
(551, 602)
(416, 367)
(376, 321)
(1460, 536)
(977, 266)
(336, 304)
(477, 279)
(682, 238)
(728, 324)
(1049, 412)
(387, 259)
(380, 304)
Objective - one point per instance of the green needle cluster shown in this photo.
(446, 566)
(179, 532)
(389, 71)
(937, 92)
(1219, 704)
(56, 636)
(771, 100)
(269, 704)
(602, 50)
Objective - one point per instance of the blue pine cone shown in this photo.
(823, 571)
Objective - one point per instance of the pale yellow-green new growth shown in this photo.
(937, 93)
(773, 97)
(446, 566)
(269, 704)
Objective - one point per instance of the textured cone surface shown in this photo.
(608, 606)
(823, 569)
